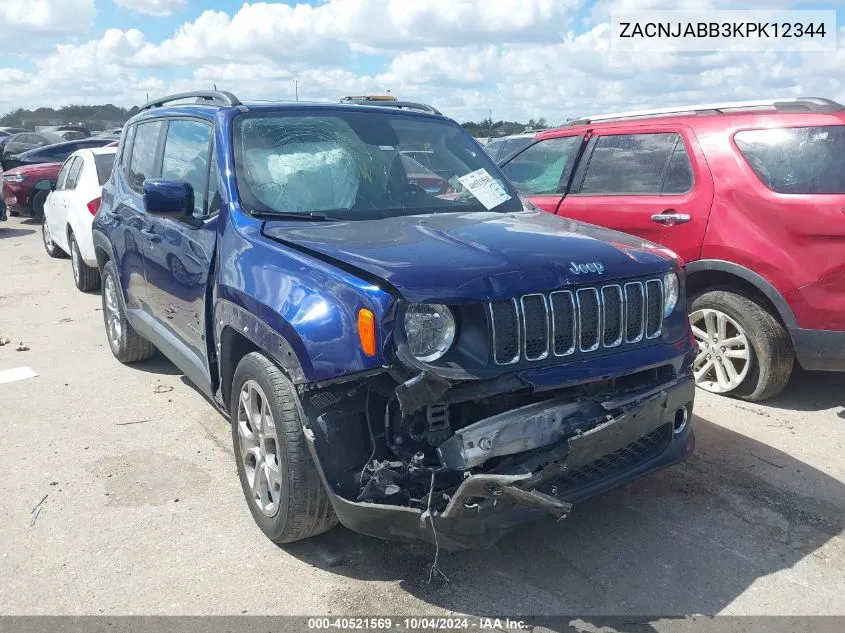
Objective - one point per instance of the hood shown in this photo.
(468, 257)
(48, 170)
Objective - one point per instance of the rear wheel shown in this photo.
(85, 277)
(743, 350)
(126, 344)
(279, 480)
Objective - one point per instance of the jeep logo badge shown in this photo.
(590, 267)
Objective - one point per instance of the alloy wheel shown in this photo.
(48, 237)
(259, 448)
(75, 260)
(114, 327)
(724, 353)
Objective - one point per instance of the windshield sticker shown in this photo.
(486, 190)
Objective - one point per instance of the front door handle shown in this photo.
(670, 217)
(151, 235)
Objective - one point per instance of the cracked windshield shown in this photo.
(360, 165)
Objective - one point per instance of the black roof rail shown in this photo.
(407, 105)
(801, 104)
(205, 97)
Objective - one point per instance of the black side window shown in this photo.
(186, 154)
(678, 178)
(143, 162)
(62, 177)
(629, 164)
(104, 164)
(802, 160)
(73, 174)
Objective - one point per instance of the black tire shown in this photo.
(304, 509)
(130, 347)
(37, 205)
(13, 214)
(85, 277)
(771, 358)
(50, 245)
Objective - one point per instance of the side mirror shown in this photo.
(44, 185)
(173, 198)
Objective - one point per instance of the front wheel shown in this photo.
(279, 480)
(743, 350)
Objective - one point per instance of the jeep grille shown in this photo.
(582, 320)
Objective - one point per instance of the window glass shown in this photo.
(679, 178)
(104, 163)
(62, 177)
(797, 160)
(351, 164)
(213, 195)
(186, 153)
(143, 161)
(126, 155)
(540, 168)
(73, 174)
(628, 163)
(511, 146)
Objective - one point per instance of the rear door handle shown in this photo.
(670, 217)
(151, 235)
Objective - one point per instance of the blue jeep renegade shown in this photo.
(408, 348)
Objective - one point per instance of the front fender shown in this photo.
(299, 305)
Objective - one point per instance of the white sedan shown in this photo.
(70, 209)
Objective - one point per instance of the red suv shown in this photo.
(750, 195)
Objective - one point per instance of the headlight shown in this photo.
(16, 178)
(671, 288)
(429, 330)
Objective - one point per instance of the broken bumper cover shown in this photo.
(485, 507)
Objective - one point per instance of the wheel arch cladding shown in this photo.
(710, 273)
(238, 332)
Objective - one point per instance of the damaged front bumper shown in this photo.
(629, 437)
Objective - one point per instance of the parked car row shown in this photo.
(404, 343)
(26, 168)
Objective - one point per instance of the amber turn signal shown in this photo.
(367, 331)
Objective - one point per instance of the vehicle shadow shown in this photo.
(158, 364)
(12, 232)
(811, 391)
(688, 539)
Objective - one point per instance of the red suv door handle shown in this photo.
(670, 217)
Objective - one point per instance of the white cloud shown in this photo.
(29, 27)
(518, 58)
(280, 31)
(152, 7)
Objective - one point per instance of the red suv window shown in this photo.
(797, 160)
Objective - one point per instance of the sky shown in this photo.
(514, 59)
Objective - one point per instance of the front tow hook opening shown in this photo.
(681, 419)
